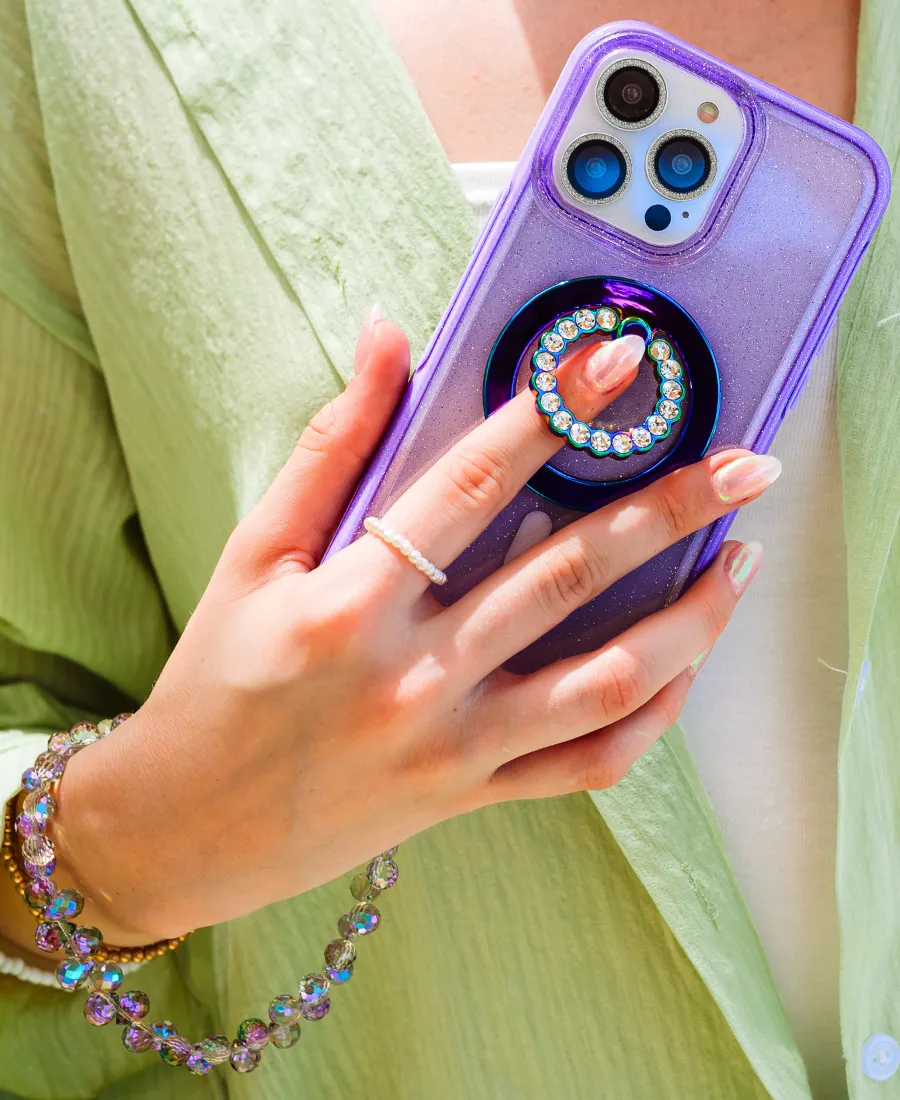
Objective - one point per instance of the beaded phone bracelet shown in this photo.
(91, 964)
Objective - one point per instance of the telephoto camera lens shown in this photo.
(631, 94)
(682, 165)
(596, 169)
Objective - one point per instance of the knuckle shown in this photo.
(673, 511)
(599, 772)
(669, 708)
(478, 479)
(624, 684)
(318, 434)
(568, 576)
(713, 615)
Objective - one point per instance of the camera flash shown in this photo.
(707, 112)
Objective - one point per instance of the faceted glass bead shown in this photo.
(579, 433)
(99, 1010)
(543, 360)
(253, 1033)
(66, 905)
(26, 825)
(175, 1050)
(84, 733)
(585, 318)
(600, 441)
(34, 870)
(197, 1063)
(339, 976)
(340, 954)
(49, 766)
(48, 936)
(383, 872)
(660, 350)
(244, 1060)
(562, 420)
(163, 1029)
(642, 438)
(284, 1008)
(668, 409)
(658, 425)
(31, 781)
(216, 1049)
(137, 1038)
(544, 381)
(118, 720)
(552, 341)
(134, 1004)
(71, 973)
(38, 850)
(86, 940)
(104, 726)
(550, 402)
(567, 329)
(60, 743)
(622, 443)
(315, 1012)
(670, 369)
(40, 805)
(107, 977)
(362, 889)
(284, 1036)
(313, 988)
(39, 892)
(360, 921)
(607, 319)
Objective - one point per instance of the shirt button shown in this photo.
(880, 1057)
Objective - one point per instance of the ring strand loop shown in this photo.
(398, 542)
(92, 965)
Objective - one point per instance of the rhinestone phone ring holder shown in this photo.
(554, 342)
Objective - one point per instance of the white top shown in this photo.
(762, 719)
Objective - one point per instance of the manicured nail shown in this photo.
(698, 662)
(742, 564)
(611, 364)
(366, 336)
(745, 477)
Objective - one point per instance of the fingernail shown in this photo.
(698, 662)
(742, 564)
(745, 477)
(366, 336)
(611, 364)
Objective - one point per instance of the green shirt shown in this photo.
(199, 199)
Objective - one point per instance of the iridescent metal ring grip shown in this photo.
(598, 442)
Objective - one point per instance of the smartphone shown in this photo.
(681, 198)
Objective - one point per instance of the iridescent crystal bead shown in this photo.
(48, 936)
(672, 390)
(244, 1060)
(38, 850)
(26, 825)
(622, 443)
(71, 973)
(84, 733)
(550, 402)
(60, 743)
(119, 719)
(197, 1063)
(642, 438)
(579, 433)
(607, 319)
(39, 892)
(360, 921)
(585, 319)
(41, 805)
(253, 1033)
(362, 889)
(552, 341)
(660, 350)
(134, 1004)
(670, 369)
(668, 409)
(339, 976)
(66, 905)
(544, 381)
(86, 940)
(104, 726)
(36, 870)
(543, 360)
(340, 954)
(175, 1050)
(562, 420)
(284, 1036)
(137, 1038)
(216, 1049)
(163, 1029)
(383, 872)
(568, 329)
(30, 780)
(98, 1010)
(107, 976)
(49, 766)
(600, 441)
(284, 1008)
(315, 1012)
(313, 989)
(658, 425)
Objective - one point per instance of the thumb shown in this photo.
(299, 512)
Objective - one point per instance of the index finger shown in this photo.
(452, 503)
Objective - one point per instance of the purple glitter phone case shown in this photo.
(759, 284)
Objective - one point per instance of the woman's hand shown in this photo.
(313, 715)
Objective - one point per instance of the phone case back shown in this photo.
(763, 278)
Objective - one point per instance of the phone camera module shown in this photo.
(596, 168)
(681, 164)
(631, 94)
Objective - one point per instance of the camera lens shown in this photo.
(631, 94)
(682, 164)
(596, 169)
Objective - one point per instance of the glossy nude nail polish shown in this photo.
(745, 477)
(611, 364)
